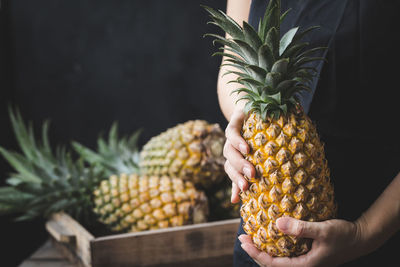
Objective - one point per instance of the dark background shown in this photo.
(84, 64)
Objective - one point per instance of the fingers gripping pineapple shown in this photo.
(292, 176)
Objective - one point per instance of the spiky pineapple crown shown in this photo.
(44, 181)
(272, 70)
(115, 155)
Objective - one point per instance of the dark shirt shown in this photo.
(353, 103)
(355, 95)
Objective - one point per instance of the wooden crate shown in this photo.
(206, 244)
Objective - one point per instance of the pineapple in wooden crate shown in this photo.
(130, 201)
(46, 182)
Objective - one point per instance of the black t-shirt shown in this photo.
(353, 103)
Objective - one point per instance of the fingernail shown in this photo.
(243, 148)
(232, 198)
(247, 171)
(283, 224)
(240, 238)
(241, 185)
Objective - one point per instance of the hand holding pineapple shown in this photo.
(335, 242)
(270, 232)
(291, 176)
(331, 238)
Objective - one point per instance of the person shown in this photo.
(354, 106)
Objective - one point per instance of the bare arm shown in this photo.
(239, 11)
(382, 219)
(235, 164)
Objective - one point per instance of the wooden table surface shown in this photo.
(47, 256)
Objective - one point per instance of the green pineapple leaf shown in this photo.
(287, 39)
(251, 36)
(44, 181)
(113, 156)
(265, 57)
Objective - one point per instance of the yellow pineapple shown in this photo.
(292, 180)
(190, 151)
(136, 203)
(292, 176)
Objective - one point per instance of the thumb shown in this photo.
(299, 228)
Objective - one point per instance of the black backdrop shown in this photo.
(84, 64)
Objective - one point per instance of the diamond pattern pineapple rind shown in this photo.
(292, 179)
(132, 203)
(191, 151)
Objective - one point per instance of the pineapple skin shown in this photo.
(191, 151)
(292, 179)
(132, 203)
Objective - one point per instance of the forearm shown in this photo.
(226, 99)
(382, 219)
(239, 11)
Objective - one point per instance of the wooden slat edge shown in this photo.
(59, 232)
(68, 253)
(83, 237)
(67, 221)
(198, 226)
(168, 247)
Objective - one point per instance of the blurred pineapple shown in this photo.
(128, 201)
(191, 151)
(131, 203)
(45, 182)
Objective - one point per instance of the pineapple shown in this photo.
(191, 151)
(136, 203)
(45, 183)
(292, 176)
(130, 202)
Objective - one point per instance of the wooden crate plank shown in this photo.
(31, 263)
(59, 232)
(47, 255)
(47, 251)
(69, 253)
(167, 246)
(82, 236)
(222, 261)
